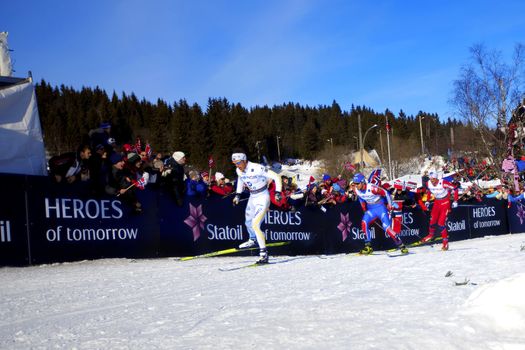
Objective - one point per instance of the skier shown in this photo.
(372, 201)
(440, 189)
(255, 177)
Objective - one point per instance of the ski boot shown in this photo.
(248, 244)
(403, 249)
(367, 250)
(444, 247)
(263, 256)
(427, 238)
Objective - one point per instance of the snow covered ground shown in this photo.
(300, 302)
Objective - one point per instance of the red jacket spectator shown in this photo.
(220, 186)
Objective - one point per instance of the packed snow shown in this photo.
(470, 297)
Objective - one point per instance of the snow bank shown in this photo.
(498, 306)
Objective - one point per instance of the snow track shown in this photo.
(304, 303)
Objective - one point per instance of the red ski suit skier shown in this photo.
(441, 190)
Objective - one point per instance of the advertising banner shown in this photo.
(458, 224)
(14, 247)
(45, 222)
(488, 218)
(68, 224)
(516, 217)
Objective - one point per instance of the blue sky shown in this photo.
(381, 54)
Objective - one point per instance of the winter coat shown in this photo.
(196, 188)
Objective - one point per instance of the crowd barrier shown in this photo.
(43, 222)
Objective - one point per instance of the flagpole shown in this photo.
(388, 147)
(211, 164)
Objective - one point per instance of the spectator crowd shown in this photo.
(121, 170)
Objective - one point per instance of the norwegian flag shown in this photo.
(138, 145)
(375, 177)
(399, 185)
(211, 162)
(141, 183)
(411, 186)
(148, 150)
(349, 166)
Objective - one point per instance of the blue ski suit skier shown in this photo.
(372, 199)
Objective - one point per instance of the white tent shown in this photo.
(6, 68)
(21, 142)
(370, 158)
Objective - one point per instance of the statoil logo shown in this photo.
(456, 225)
(5, 231)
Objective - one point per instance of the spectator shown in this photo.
(327, 196)
(205, 178)
(220, 186)
(174, 174)
(400, 194)
(282, 203)
(499, 193)
(158, 163)
(119, 183)
(425, 178)
(101, 135)
(157, 167)
(113, 175)
(98, 162)
(136, 170)
(70, 167)
(195, 187)
(339, 193)
(111, 145)
(314, 195)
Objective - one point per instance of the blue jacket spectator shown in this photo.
(195, 186)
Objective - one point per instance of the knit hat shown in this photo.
(133, 158)
(433, 175)
(336, 188)
(204, 174)
(178, 156)
(194, 175)
(219, 176)
(115, 158)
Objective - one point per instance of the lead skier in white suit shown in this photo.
(256, 178)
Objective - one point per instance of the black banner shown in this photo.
(516, 217)
(68, 224)
(44, 222)
(488, 218)
(14, 246)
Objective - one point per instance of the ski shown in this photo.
(229, 251)
(361, 254)
(255, 264)
(397, 253)
(419, 243)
